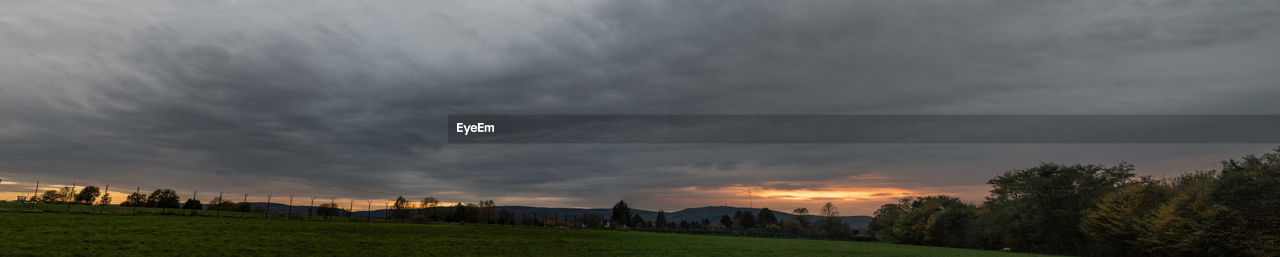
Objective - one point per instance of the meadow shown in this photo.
(50, 233)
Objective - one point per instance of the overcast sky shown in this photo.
(348, 99)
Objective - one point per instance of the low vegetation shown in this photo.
(1096, 210)
(57, 234)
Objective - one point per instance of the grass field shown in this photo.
(62, 234)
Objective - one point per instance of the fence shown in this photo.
(283, 208)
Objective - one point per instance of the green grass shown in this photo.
(62, 234)
(121, 210)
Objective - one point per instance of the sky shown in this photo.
(348, 99)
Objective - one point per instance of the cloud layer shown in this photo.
(347, 99)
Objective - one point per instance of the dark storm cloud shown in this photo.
(349, 97)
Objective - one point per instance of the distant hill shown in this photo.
(711, 213)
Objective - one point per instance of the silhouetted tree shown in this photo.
(637, 221)
(163, 198)
(327, 209)
(106, 198)
(135, 199)
(51, 196)
(87, 195)
(661, 219)
(726, 221)
(830, 223)
(621, 215)
(745, 220)
(1040, 209)
(766, 218)
(400, 210)
(192, 204)
(486, 212)
(427, 209)
(219, 203)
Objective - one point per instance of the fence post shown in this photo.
(246, 203)
(351, 209)
(33, 196)
(105, 193)
(288, 213)
(267, 213)
(195, 195)
(136, 191)
(311, 210)
(368, 215)
(333, 202)
(220, 201)
(71, 197)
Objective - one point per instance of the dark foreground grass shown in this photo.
(60, 234)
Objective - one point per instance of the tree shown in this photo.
(1125, 217)
(192, 204)
(745, 219)
(135, 199)
(931, 220)
(327, 209)
(661, 220)
(66, 194)
(462, 213)
(637, 221)
(726, 221)
(798, 223)
(87, 195)
(1177, 227)
(400, 209)
(883, 224)
(1249, 189)
(51, 196)
(766, 218)
(1040, 209)
(830, 224)
(795, 225)
(106, 198)
(163, 198)
(621, 215)
(486, 212)
(506, 217)
(427, 208)
(221, 204)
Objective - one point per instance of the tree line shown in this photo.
(744, 223)
(1097, 210)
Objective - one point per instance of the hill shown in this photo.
(711, 213)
